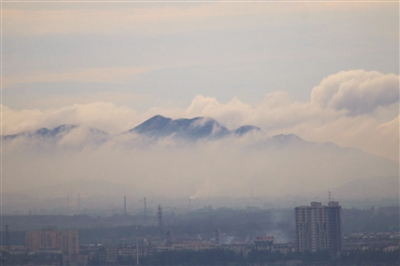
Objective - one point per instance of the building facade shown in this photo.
(318, 227)
(49, 238)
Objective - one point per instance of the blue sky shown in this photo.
(113, 65)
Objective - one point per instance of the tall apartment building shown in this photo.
(47, 238)
(50, 238)
(319, 227)
(69, 242)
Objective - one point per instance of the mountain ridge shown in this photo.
(189, 129)
(157, 126)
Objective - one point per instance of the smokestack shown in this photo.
(190, 204)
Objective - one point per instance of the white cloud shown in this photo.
(357, 91)
(324, 119)
(104, 116)
(230, 114)
(229, 167)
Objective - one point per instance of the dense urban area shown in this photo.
(312, 234)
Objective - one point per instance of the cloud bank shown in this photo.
(169, 167)
(227, 167)
(358, 92)
(356, 108)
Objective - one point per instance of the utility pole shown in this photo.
(137, 248)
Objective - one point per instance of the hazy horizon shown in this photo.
(327, 72)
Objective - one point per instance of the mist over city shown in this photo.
(200, 133)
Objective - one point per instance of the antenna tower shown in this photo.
(169, 241)
(144, 211)
(125, 205)
(217, 236)
(7, 238)
(159, 215)
(79, 202)
(137, 247)
(329, 196)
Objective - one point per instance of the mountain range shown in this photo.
(159, 127)
(155, 127)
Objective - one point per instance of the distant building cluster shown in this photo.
(319, 227)
(388, 241)
(109, 254)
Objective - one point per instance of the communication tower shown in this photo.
(169, 241)
(7, 238)
(125, 205)
(144, 211)
(217, 236)
(159, 215)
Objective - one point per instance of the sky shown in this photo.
(325, 71)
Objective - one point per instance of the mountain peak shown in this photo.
(246, 129)
(43, 132)
(153, 125)
(285, 139)
(187, 128)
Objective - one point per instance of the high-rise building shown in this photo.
(318, 227)
(69, 242)
(50, 238)
(47, 238)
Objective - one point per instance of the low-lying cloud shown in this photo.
(356, 108)
(231, 166)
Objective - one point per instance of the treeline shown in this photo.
(371, 220)
(370, 257)
(34, 259)
(228, 257)
(203, 222)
